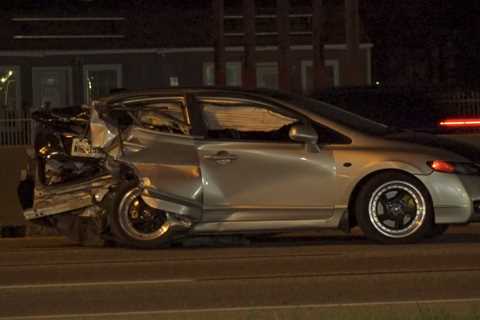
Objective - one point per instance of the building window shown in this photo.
(332, 67)
(52, 87)
(267, 75)
(100, 80)
(233, 74)
(174, 81)
(68, 27)
(9, 87)
(265, 24)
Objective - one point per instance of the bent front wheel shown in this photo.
(134, 223)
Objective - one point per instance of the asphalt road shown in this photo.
(297, 277)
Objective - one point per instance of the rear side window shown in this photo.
(162, 115)
(168, 117)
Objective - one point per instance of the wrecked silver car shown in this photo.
(147, 168)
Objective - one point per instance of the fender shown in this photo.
(345, 192)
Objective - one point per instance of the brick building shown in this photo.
(69, 52)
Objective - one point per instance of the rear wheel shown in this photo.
(134, 223)
(394, 208)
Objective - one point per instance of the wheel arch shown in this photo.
(352, 220)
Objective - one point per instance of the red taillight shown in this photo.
(442, 166)
(459, 123)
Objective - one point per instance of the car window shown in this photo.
(244, 120)
(165, 116)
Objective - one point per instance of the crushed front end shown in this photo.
(82, 161)
(66, 180)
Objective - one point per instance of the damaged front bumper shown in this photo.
(51, 201)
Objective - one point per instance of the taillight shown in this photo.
(460, 123)
(442, 166)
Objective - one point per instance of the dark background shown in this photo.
(425, 53)
(417, 42)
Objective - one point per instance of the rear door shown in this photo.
(253, 171)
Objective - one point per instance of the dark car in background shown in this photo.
(416, 108)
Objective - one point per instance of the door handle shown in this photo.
(221, 157)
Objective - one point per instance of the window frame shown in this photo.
(69, 84)
(200, 98)
(210, 64)
(335, 64)
(118, 68)
(195, 106)
(343, 139)
(268, 64)
(137, 102)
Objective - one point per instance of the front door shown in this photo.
(163, 154)
(252, 171)
(52, 87)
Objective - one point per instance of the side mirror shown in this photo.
(303, 133)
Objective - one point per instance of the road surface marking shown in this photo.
(92, 284)
(240, 309)
(229, 278)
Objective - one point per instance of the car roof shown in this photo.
(127, 94)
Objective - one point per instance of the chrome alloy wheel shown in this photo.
(397, 209)
(138, 220)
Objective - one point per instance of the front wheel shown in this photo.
(394, 208)
(134, 223)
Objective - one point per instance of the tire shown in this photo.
(136, 231)
(394, 208)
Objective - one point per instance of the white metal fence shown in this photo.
(462, 102)
(16, 128)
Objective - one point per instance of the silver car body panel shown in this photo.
(268, 226)
(55, 200)
(453, 196)
(102, 134)
(176, 206)
(263, 185)
(266, 181)
(172, 179)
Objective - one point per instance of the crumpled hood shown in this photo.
(460, 146)
(68, 119)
